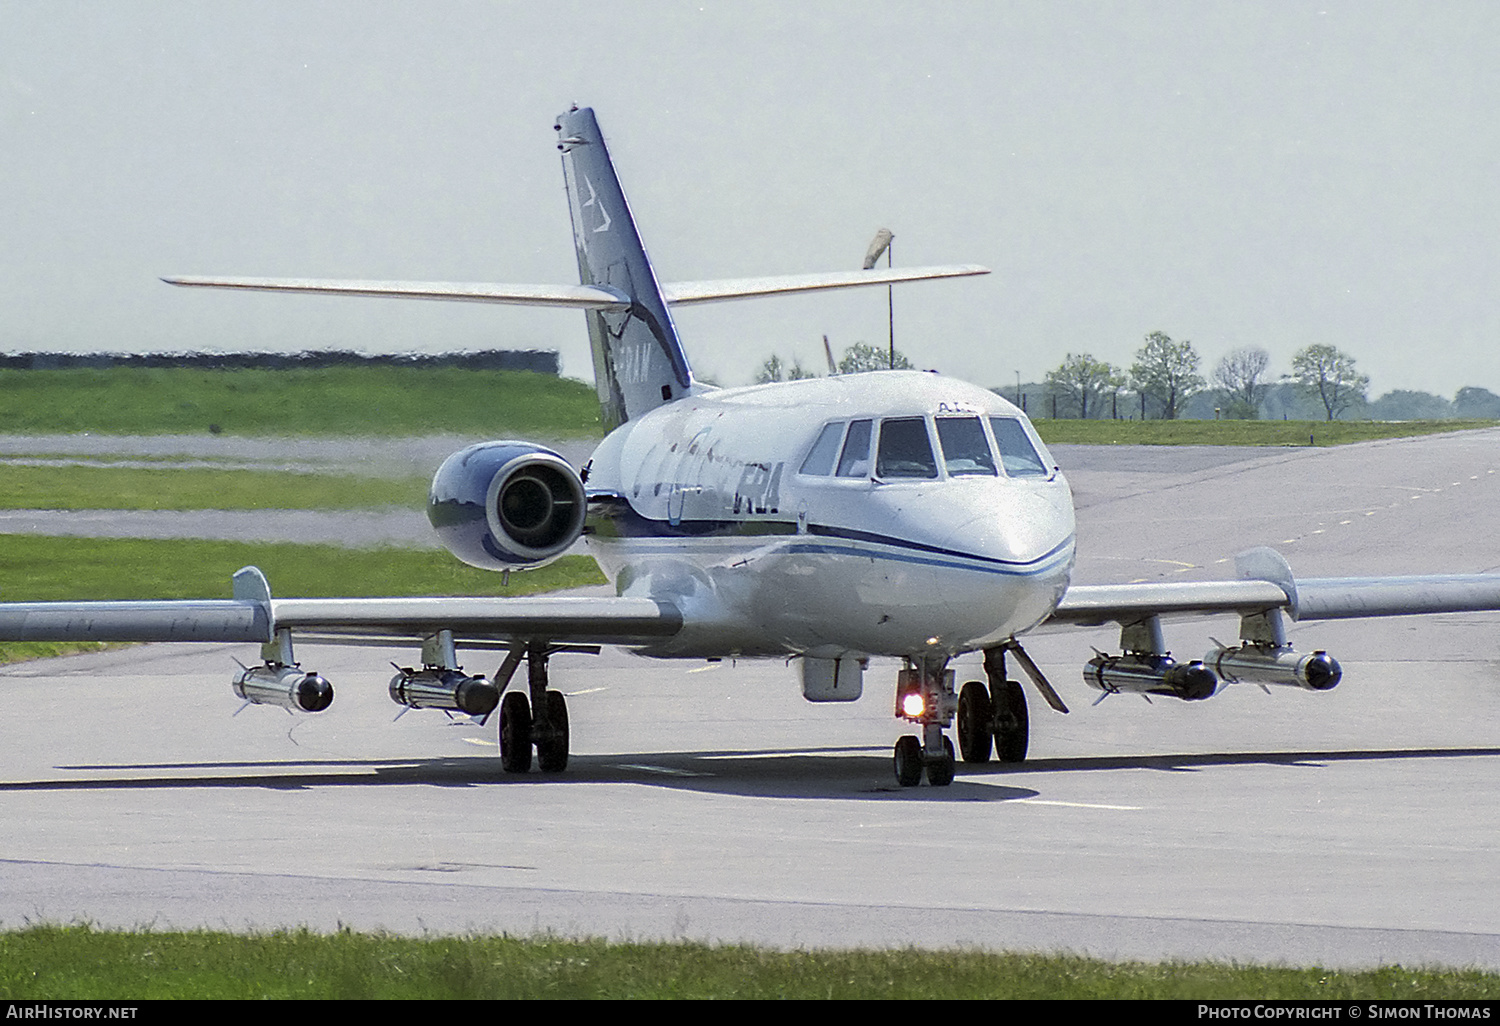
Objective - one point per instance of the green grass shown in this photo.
(78, 962)
(85, 487)
(1241, 432)
(383, 401)
(42, 568)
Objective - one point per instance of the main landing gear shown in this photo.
(540, 722)
(991, 719)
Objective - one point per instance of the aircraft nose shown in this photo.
(1014, 528)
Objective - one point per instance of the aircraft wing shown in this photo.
(1092, 605)
(581, 297)
(1266, 583)
(254, 616)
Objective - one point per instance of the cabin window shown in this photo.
(966, 451)
(855, 462)
(1017, 455)
(905, 449)
(819, 461)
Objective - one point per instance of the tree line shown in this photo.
(1164, 383)
(857, 358)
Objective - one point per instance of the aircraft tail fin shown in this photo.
(639, 363)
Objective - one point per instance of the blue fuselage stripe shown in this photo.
(633, 529)
(881, 551)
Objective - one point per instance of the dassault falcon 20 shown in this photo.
(882, 514)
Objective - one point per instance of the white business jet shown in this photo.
(882, 514)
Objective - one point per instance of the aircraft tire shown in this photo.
(552, 754)
(975, 714)
(908, 761)
(1012, 724)
(515, 733)
(940, 770)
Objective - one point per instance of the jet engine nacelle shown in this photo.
(506, 505)
(444, 689)
(1151, 675)
(1260, 664)
(289, 687)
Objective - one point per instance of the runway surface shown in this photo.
(708, 801)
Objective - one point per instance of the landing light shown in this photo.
(912, 705)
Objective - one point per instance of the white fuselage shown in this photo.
(714, 503)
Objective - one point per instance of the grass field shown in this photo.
(380, 401)
(1241, 432)
(166, 487)
(81, 963)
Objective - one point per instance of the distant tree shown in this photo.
(1328, 374)
(1404, 404)
(1285, 400)
(1480, 403)
(775, 369)
(772, 370)
(1166, 371)
(864, 357)
(1240, 374)
(1083, 382)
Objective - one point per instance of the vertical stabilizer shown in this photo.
(638, 361)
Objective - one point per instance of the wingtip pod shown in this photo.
(285, 687)
(1263, 664)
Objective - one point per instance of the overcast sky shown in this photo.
(1267, 174)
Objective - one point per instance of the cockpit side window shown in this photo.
(905, 449)
(1017, 455)
(819, 460)
(966, 451)
(855, 462)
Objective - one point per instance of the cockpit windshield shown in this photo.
(1017, 455)
(965, 449)
(905, 449)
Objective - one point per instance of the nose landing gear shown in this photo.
(924, 695)
(992, 719)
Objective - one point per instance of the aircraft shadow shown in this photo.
(860, 773)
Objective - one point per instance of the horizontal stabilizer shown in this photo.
(582, 297)
(685, 293)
